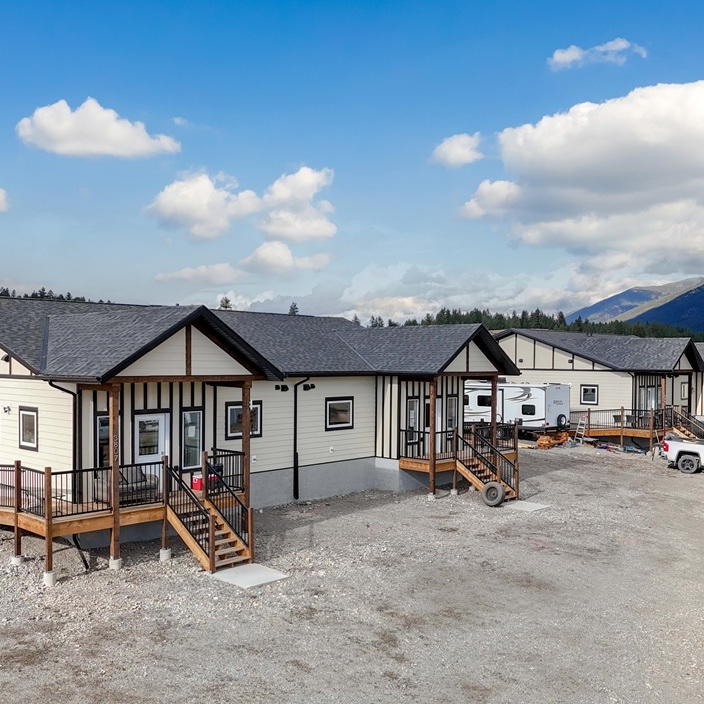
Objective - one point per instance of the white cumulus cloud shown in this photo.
(90, 130)
(276, 258)
(207, 207)
(206, 273)
(458, 150)
(619, 181)
(3, 201)
(616, 51)
(198, 204)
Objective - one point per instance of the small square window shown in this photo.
(527, 409)
(233, 420)
(484, 401)
(338, 413)
(589, 394)
(29, 428)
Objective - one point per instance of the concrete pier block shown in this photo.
(115, 563)
(49, 579)
(454, 492)
(16, 560)
(431, 497)
(164, 554)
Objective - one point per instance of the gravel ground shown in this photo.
(391, 598)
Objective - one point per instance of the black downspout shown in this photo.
(295, 436)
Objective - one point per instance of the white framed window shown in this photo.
(589, 394)
(339, 413)
(192, 446)
(233, 420)
(29, 428)
(684, 390)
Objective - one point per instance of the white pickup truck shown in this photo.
(687, 455)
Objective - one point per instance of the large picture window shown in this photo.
(589, 394)
(192, 439)
(29, 428)
(102, 429)
(339, 413)
(233, 420)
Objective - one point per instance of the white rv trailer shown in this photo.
(535, 407)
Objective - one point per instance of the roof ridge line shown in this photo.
(366, 361)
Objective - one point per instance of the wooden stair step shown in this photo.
(230, 561)
(227, 551)
(225, 541)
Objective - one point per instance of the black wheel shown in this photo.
(688, 464)
(562, 421)
(493, 494)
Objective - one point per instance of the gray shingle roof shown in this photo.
(78, 340)
(619, 352)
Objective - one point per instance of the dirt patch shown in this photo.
(391, 598)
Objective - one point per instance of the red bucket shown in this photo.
(197, 482)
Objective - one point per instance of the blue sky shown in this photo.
(377, 158)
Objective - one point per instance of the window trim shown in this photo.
(338, 426)
(254, 433)
(201, 438)
(684, 391)
(31, 412)
(583, 388)
(454, 398)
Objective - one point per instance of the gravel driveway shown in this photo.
(391, 598)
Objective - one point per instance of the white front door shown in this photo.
(151, 435)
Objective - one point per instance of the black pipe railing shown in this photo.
(231, 507)
(186, 505)
(628, 418)
(228, 465)
(7, 485)
(686, 420)
(415, 444)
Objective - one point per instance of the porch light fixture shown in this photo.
(308, 387)
(281, 387)
(6, 409)
(6, 358)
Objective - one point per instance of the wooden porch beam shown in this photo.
(494, 394)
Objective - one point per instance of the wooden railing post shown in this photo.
(622, 421)
(204, 473)
(18, 505)
(166, 484)
(48, 514)
(211, 541)
(652, 426)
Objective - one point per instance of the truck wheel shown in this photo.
(493, 494)
(688, 464)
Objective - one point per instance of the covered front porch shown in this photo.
(214, 521)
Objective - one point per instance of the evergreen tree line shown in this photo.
(41, 293)
(546, 321)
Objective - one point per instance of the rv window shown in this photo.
(527, 410)
(484, 401)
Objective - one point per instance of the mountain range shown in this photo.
(680, 304)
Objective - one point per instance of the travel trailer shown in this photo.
(535, 407)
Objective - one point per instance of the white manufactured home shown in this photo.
(115, 419)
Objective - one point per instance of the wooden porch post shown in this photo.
(18, 504)
(622, 411)
(113, 412)
(166, 479)
(49, 537)
(494, 394)
(246, 437)
(652, 426)
(432, 464)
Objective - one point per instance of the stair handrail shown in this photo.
(217, 488)
(505, 471)
(183, 501)
(687, 419)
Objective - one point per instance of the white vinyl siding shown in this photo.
(208, 358)
(55, 427)
(167, 359)
(274, 450)
(543, 355)
(478, 361)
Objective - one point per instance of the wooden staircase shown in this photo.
(481, 463)
(195, 530)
